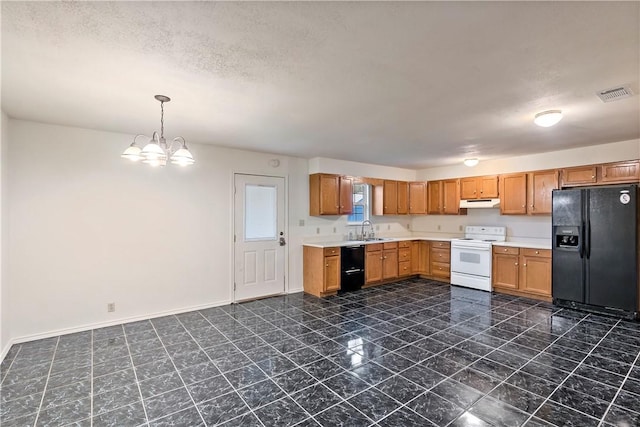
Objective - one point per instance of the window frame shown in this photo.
(365, 202)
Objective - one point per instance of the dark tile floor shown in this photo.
(415, 353)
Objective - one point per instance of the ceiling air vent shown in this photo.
(615, 94)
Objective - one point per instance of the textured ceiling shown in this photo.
(415, 84)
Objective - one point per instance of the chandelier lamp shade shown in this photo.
(157, 151)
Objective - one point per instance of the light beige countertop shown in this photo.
(542, 244)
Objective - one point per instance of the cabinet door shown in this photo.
(541, 185)
(434, 197)
(535, 275)
(424, 263)
(329, 194)
(331, 273)
(468, 188)
(581, 175)
(513, 194)
(415, 257)
(373, 266)
(403, 197)
(417, 198)
(488, 186)
(505, 271)
(621, 172)
(451, 197)
(389, 263)
(346, 195)
(390, 198)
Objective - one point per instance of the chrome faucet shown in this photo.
(371, 233)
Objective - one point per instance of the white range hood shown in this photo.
(479, 203)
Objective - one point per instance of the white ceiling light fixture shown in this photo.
(470, 162)
(548, 118)
(158, 151)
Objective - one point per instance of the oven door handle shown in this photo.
(474, 248)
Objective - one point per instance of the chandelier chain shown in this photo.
(162, 120)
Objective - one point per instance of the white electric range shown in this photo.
(471, 256)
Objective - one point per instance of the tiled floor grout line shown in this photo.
(574, 370)
(221, 373)
(135, 374)
(619, 390)
(91, 379)
(10, 365)
(462, 368)
(164, 347)
(44, 391)
(319, 381)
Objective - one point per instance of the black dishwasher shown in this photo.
(352, 268)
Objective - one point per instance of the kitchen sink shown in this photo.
(377, 239)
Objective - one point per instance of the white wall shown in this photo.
(520, 227)
(88, 228)
(4, 289)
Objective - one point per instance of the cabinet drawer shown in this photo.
(440, 255)
(331, 251)
(390, 245)
(374, 247)
(441, 245)
(543, 253)
(404, 268)
(506, 250)
(404, 254)
(404, 244)
(440, 269)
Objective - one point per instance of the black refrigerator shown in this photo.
(595, 249)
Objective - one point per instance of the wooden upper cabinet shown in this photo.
(330, 194)
(479, 187)
(451, 196)
(434, 197)
(581, 175)
(390, 198)
(620, 172)
(417, 198)
(346, 195)
(403, 197)
(540, 188)
(513, 194)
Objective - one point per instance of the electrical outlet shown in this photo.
(317, 230)
(111, 307)
(301, 223)
(334, 230)
(460, 228)
(439, 227)
(378, 227)
(388, 226)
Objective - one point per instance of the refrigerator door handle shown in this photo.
(582, 243)
(588, 241)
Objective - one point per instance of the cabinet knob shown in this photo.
(537, 252)
(516, 263)
(381, 258)
(481, 191)
(506, 250)
(524, 265)
(474, 191)
(327, 265)
(593, 176)
(523, 206)
(385, 258)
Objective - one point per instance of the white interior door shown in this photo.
(259, 228)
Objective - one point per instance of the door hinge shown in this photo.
(234, 238)
(234, 286)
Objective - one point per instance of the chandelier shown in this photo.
(158, 151)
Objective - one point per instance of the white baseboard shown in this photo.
(87, 327)
(293, 291)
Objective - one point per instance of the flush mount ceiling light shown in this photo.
(157, 150)
(470, 162)
(548, 118)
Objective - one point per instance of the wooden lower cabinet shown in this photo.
(522, 271)
(321, 270)
(373, 263)
(404, 258)
(440, 257)
(389, 260)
